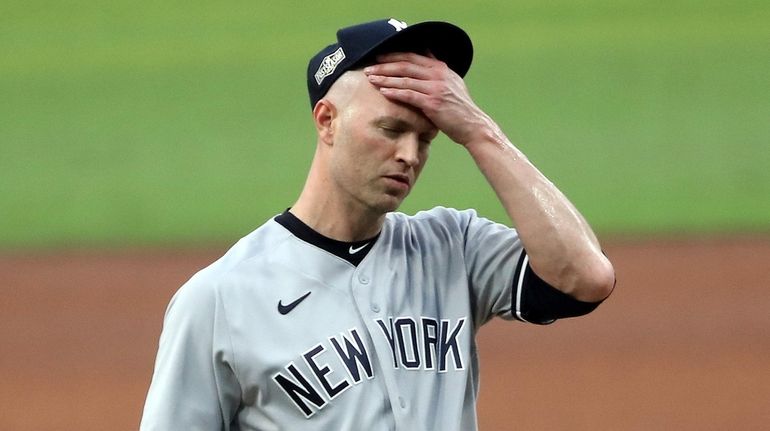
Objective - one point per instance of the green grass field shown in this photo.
(141, 123)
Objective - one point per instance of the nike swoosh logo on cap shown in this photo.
(286, 309)
(356, 250)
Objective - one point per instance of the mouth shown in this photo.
(400, 179)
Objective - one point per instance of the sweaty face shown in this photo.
(379, 147)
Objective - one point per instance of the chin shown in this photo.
(390, 204)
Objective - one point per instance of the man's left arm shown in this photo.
(562, 248)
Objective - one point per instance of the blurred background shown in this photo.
(139, 139)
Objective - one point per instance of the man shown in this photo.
(341, 314)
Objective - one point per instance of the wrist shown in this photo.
(486, 133)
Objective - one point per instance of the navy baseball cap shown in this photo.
(357, 46)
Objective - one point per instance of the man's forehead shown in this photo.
(354, 88)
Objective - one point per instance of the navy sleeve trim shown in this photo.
(535, 301)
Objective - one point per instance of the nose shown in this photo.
(408, 151)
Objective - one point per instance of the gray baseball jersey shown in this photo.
(293, 331)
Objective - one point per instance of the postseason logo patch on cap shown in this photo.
(328, 64)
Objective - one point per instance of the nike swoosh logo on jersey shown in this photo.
(286, 309)
(356, 250)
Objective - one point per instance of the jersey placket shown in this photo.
(370, 298)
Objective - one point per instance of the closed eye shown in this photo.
(391, 132)
(394, 128)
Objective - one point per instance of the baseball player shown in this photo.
(341, 313)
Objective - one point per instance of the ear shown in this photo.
(324, 114)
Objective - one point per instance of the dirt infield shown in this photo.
(683, 343)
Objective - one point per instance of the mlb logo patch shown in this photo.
(329, 64)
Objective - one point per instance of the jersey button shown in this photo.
(402, 402)
(375, 308)
(363, 279)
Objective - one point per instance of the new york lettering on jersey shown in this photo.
(424, 344)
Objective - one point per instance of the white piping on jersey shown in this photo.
(519, 287)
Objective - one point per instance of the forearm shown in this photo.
(562, 248)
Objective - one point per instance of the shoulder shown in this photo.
(261, 244)
(450, 225)
(258, 248)
(434, 217)
(437, 217)
(442, 222)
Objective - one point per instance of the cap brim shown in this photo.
(443, 40)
